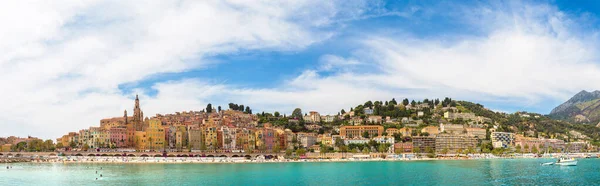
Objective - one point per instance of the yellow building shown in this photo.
(391, 131)
(432, 130)
(103, 138)
(140, 141)
(5, 148)
(405, 131)
(259, 138)
(155, 135)
(209, 135)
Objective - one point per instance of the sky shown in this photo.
(64, 64)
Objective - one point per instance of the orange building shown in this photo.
(357, 131)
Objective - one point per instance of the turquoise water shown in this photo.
(471, 172)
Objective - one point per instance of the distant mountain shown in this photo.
(584, 107)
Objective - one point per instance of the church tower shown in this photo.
(125, 116)
(137, 115)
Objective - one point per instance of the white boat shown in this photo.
(566, 162)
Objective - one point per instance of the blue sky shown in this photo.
(89, 60)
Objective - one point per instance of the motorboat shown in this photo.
(563, 161)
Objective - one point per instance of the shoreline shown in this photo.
(216, 160)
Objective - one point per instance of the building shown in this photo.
(195, 138)
(384, 139)
(349, 141)
(155, 134)
(357, 131)
(406, 147)
(368, 111)
(405, 131)
(306, 139)
(421, 143)
(391, 131)
(452, 128)
(374, 119)
(5, 147)
(454, 143)
(431, 130)
(502, 139)
(118, 137)
(576, 147)
(328, 118)
(480, 133)
(466, 117)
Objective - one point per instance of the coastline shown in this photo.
(216, 160)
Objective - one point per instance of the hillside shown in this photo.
(584, 107)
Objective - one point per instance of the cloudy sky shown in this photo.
(65, 64)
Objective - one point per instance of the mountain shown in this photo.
(584, 107)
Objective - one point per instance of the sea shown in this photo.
(435, 172)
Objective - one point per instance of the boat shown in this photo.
(564, 161)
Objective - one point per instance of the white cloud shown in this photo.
(62, 61)
(526, 56)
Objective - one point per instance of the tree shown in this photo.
(209, 108)
(86, 147)
(48, 145)
(301, 152)
(343, 112)
(445, 151)
(365, 134)
(297, 113)
(276, 148)
(58, 145)
(470, 150)
(288, 152)
(393, 102)
(526, 148)
(276, 114)
(368, 104)
(534, 149)
(405, 102)
(248, 110)
(413, 103)
(219, 108)
(518, 149)
(417, 150)
(381, 148)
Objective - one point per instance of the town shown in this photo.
(430, 128)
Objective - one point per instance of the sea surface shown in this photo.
(450, 172)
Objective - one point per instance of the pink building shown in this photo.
(118, 136)
(269, 138)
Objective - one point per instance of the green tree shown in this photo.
(445, 151)
(288, 152)
(209, 108)
(276, 114)
(86, 147)
(297, 113)
(518, 149)
(58, 145)
(301, 152)
(405, 102)
(219, 108)
(365, 134)
(534, 149)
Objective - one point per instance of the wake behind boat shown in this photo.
(548, 163)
